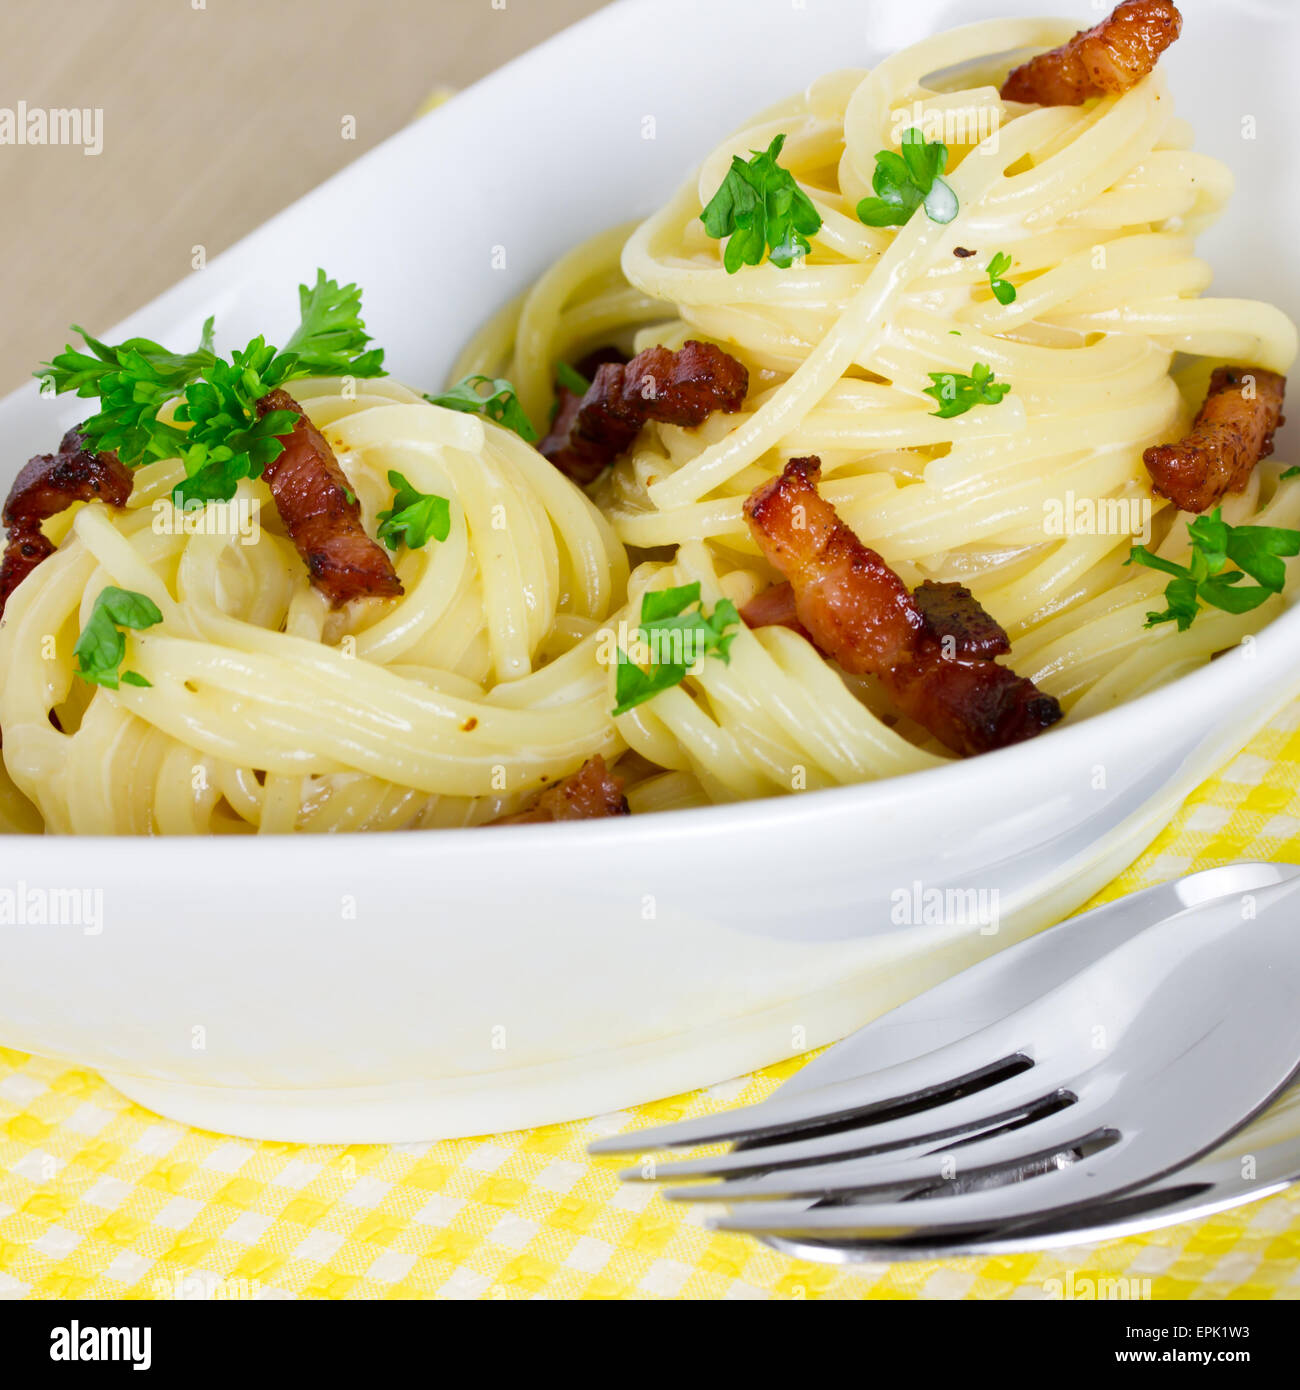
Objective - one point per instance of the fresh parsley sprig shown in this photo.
(907, 180)
(217, 397)
(1255, 550)
(761, 210)
(957, 393)
(133, 381)
(226, 440)
(675, 620)
(498, 403)
(331, 338)
(1003, 290)
(415, 517)
(102, 644)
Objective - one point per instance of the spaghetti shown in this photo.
(1034, 503)
(268, 711)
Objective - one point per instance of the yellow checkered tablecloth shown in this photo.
(101, 1199)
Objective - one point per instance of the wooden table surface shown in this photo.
(215, 114)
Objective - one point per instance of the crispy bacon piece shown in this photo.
(589, 794)
(953, 614)
(676, 388)
(1111, 57)
(950, 611)
(321, 515)
(573, 456)
(858, 611)
(972, 706)
(589, 365)
(47, 485)
(1232, 432)
(774, 607)
(854, 606)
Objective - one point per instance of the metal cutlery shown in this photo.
(1040, 1093)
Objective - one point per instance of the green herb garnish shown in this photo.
(414, 517)
(673, 619)
(217, 397)
(957, 393)
(133, 381)
(763, 211)
(102, 644)
(1255, 550)
(226, 440)
(907, 181)
(1003, 290)
(331, 339)
(500, 403)
(1292, 472)
(571, 379)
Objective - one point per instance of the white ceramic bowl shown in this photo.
(412, 986)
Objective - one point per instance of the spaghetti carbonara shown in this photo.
(496, 672)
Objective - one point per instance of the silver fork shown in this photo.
(1127, 1043)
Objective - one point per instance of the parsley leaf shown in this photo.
(217, 397)
(1292, 472)
(102, 645)
(908, 180)
(133, 381)
(1255, 550)
(331, 339)
(414, 516)
(763, 211)
(572, 379)
(499, 404)
(673, 624)
(226, 440)
(957, 393)
(1003, 290)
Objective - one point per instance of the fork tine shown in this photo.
(933, 1080)
(1011, 1102)
(966, 1163)
(898, 1220)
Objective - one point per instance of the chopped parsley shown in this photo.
(763, 211)
(957, 393)
(1255, 550)
(908, 180)
(102, 644)
(414, 518)
(499, 403)
(673, 624)
(216, 397)
(1003, 290)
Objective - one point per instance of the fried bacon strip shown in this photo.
(321, 514)
(570, 402)
(1111, 57)
(45, 487)
(953, 614)
(676, 388)
(589, 794)
(589, 365)
(1232, 432)
(774, 607)
(858, 611)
